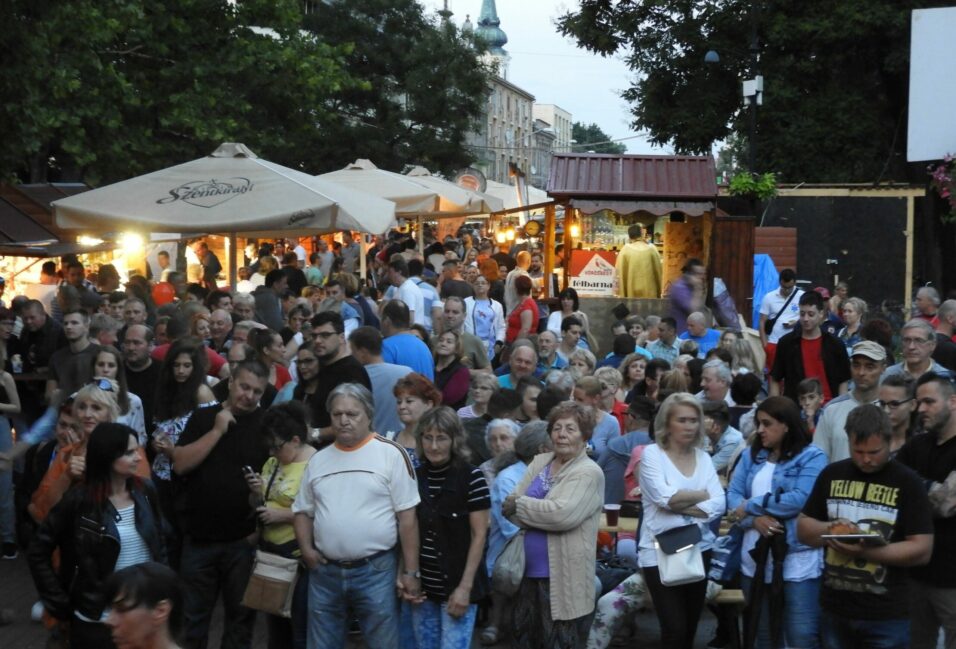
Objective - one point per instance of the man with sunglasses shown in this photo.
(933, 456)
(867, 364)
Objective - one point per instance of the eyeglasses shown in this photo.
(893, 405)
(275, 446)
(103, 384)
(914, 341)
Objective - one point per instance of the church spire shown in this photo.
(490, 32)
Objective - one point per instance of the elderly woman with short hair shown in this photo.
(558, 502)
(453, 526)
(500, 436)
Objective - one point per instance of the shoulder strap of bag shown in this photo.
(265, 497)
(272, 479)
(784, 307)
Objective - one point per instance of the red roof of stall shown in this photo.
(642, 177)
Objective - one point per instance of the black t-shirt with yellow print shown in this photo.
(891, 502)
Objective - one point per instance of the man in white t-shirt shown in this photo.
(356, 501)
(406, 289)
(783, 305)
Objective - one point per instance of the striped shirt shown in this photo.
(133, 549)
(479, 499)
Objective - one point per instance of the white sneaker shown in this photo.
(36, 612)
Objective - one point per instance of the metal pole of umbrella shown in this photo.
(363, 275)
(233, 260)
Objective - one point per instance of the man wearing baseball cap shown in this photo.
(867, 363)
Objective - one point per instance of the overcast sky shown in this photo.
(551, 68)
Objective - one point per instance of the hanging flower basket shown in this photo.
(942, 182)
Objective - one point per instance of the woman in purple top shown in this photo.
(558, 502)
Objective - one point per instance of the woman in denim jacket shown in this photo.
(767, 493)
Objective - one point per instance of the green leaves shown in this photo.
(835, 78)
(760, 186)
(101, 90)
(595, 139)
(110, 89)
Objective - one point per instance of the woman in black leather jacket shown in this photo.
(109, 522)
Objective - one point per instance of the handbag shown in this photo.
(272, 582)
(679, 559)
(508, 572)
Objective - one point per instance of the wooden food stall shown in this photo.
(673, 197)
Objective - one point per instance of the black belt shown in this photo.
(356, 563)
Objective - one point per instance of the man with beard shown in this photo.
(866, 596)
(933, 457)
(237, 354)
(336, 366)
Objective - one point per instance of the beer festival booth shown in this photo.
(673, 197)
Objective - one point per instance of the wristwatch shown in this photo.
(412, 573)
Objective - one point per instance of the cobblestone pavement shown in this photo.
(18, 594)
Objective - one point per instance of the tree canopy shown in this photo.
(595, 139)
(100, 90)
(423, 85)
(835, 78)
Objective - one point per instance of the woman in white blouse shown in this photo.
(679, 486)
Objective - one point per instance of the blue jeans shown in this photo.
(436, 629)
(367, 590)
(801, 614)
(8, 531)
(841, 633)
(208, 569)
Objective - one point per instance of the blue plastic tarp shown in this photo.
(766, 279)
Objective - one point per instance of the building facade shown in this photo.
(560, 121)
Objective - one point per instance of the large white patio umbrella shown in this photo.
(478, 202)
(509, 195)
(415, 194)
(230, 191)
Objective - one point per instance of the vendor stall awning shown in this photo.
(655, 178)
(18, 227)
(657, 208)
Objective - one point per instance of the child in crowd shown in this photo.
(810, 396)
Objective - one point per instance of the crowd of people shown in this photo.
(403, 436)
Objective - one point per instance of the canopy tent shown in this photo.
(230, 191)
(508, 194)
(416, 194)
(476, 202)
